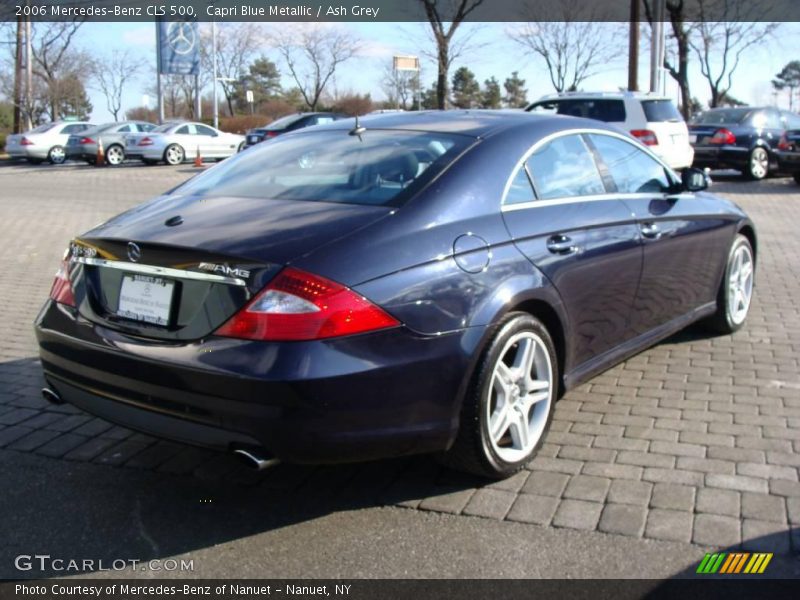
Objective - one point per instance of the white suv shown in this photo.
(651, 119)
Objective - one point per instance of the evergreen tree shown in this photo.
(466, 89)
(516, 94)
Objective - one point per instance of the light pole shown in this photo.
(214, 69)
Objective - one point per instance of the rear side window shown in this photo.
(633, 171)
(792, 120)
(660, 111)
(608, 110)
(520, 190)
(564, 168)
(381, 167)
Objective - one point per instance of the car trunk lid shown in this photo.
(180, 269)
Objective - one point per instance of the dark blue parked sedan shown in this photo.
(418, 282)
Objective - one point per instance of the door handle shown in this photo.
(651, 230)
(561, 244)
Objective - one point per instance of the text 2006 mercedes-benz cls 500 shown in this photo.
(409, 283)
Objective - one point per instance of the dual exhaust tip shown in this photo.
(252, 459)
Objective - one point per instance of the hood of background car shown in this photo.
(264, 230)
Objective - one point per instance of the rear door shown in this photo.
(683, 240)
(584, 240)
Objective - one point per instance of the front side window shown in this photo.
(381, 167)
(564, 168)
(633, 171)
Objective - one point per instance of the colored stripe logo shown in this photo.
(731, 563)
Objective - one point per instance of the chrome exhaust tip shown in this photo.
(51, 396)
(252, 459)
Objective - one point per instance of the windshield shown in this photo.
(42, 128)
(381, 168)
(723, 116)
(283, 122)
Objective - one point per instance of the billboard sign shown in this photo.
(178, 48)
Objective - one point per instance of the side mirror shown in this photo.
(695, 180)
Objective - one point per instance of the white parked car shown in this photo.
(45, 142)
(177, 142)
(652, 119)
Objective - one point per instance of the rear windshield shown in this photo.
(43, 128)
(610, 111)
(283, 122)
(380, 168)
(724, 116)
(660, 111)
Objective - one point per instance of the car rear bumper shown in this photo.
(384, 394)
(721, 157)
(28, 152)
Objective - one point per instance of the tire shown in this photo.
(56, 155)
(492, 441)
(174, 155)
(735, 297)
(115, 155)
(757, 164)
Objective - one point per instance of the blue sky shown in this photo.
(495, 55)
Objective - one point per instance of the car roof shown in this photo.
(474, 123)
(596, 95)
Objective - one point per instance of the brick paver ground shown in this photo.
(696, 439)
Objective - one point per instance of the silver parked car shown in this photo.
(83, 146)
(175, 143)
(45, 142)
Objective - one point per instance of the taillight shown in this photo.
(146, 141)
(269, 134)
(25, 142)
(61, 291)
(783, 143)
(86, 140)
(723, 136)
(300, 306)
(647, 137)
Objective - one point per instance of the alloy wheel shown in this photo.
(759, 163)
(174, 155)
(56, 155)
(115, 155)
(520, 395)
(740, 284)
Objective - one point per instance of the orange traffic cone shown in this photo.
(100, 159)
(198, 160)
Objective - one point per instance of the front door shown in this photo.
(682, 237)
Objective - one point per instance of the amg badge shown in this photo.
(224, 270)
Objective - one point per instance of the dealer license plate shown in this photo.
(145, 298)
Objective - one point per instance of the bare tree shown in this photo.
(312, 54)
(237, 46)
(721, 44)
(399, 86)
(574, 47)
(444, 25)
(112, 74)
(55, 59)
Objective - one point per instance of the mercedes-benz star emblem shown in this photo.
(180, 37)
(134, 252)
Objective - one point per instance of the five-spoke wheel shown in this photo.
(736, 290)
(509, 403)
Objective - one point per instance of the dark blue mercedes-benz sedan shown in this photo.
(422, 282)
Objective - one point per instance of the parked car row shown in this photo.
(757, 141)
